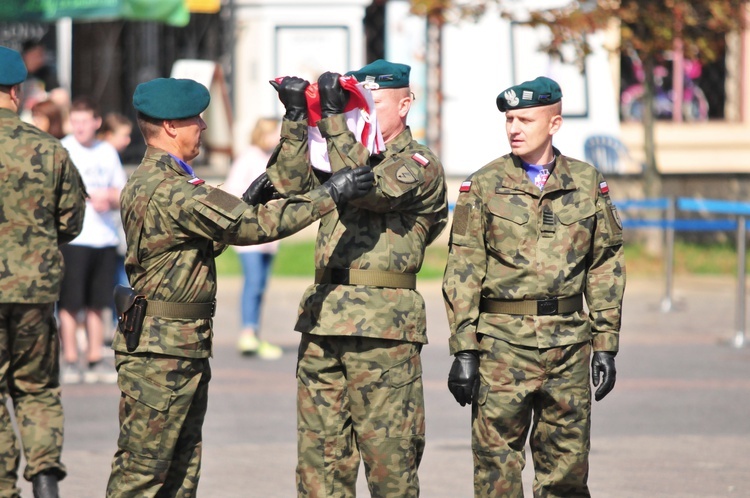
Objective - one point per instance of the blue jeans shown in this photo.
(256, 266)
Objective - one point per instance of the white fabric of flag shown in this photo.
(361, 119)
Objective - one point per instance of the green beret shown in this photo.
(539, 92)
(383, 74)
(170, 98)
(12, 69)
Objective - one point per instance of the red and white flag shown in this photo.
(361, 120)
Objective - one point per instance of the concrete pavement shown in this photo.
(676, 425)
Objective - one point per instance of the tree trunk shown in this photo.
(652, 187)
(434, 81)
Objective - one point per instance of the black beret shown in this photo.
(12, 69)
(170, 98)
(538, 92)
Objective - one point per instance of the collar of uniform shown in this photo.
(7, 113)
(517, 179)
(185, 166)
(165, 158)
(560, 177)
(399, 143)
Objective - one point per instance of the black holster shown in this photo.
(131, 310)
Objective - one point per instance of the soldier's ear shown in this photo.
(555, 124)
(169, 127)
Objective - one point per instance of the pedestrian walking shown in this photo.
(256, 260)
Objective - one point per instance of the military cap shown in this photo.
(12, 69)
(383, 74)
(535, 93)
(170, 98)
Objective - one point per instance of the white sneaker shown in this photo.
(248, 344)
(101, 372)
(268, 351)
(71, 374)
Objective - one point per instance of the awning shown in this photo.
(172, 12)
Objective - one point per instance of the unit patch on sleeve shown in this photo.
(404, 175)
(465, 186)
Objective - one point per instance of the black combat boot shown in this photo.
(45, 485)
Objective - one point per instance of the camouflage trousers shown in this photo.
(29, 375)
(358, 396)
(162, 408)
(545, 391)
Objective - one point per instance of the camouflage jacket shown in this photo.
(503, 247)
(386, 230)
(174, 226)
(42, 203)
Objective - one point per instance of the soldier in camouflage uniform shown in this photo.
(359, 373)
(533, 233)
(42, 207)
(175, 226)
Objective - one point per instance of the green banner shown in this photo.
(172, 12)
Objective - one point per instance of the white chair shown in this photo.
(607, 153)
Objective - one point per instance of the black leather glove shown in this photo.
(463, 379)
(292, 95)
(260, 191)
(348, 184)
(603, 365)
(333, 98)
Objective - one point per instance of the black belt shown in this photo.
(543, 307)
(188, 311)
(373, 278)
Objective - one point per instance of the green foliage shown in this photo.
(647, 26)
(295, 259)
(689, 258)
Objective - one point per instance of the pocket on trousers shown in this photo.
(406, 372)
(405, 417)
(483, 392)
(144, 411)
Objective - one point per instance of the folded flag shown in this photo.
(361, 120)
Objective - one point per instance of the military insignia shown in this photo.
(196, 181)
(604, 188)
(465, 186)
(511, 98)
(527, 95)
(370, 84)
(420, 159)
(404, 175)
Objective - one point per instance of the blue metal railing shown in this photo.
(740, 211)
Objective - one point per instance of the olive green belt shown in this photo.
(188, 311)
(373, 278)
(552, 306)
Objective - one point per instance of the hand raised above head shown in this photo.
(291, 90)
(333, 98)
